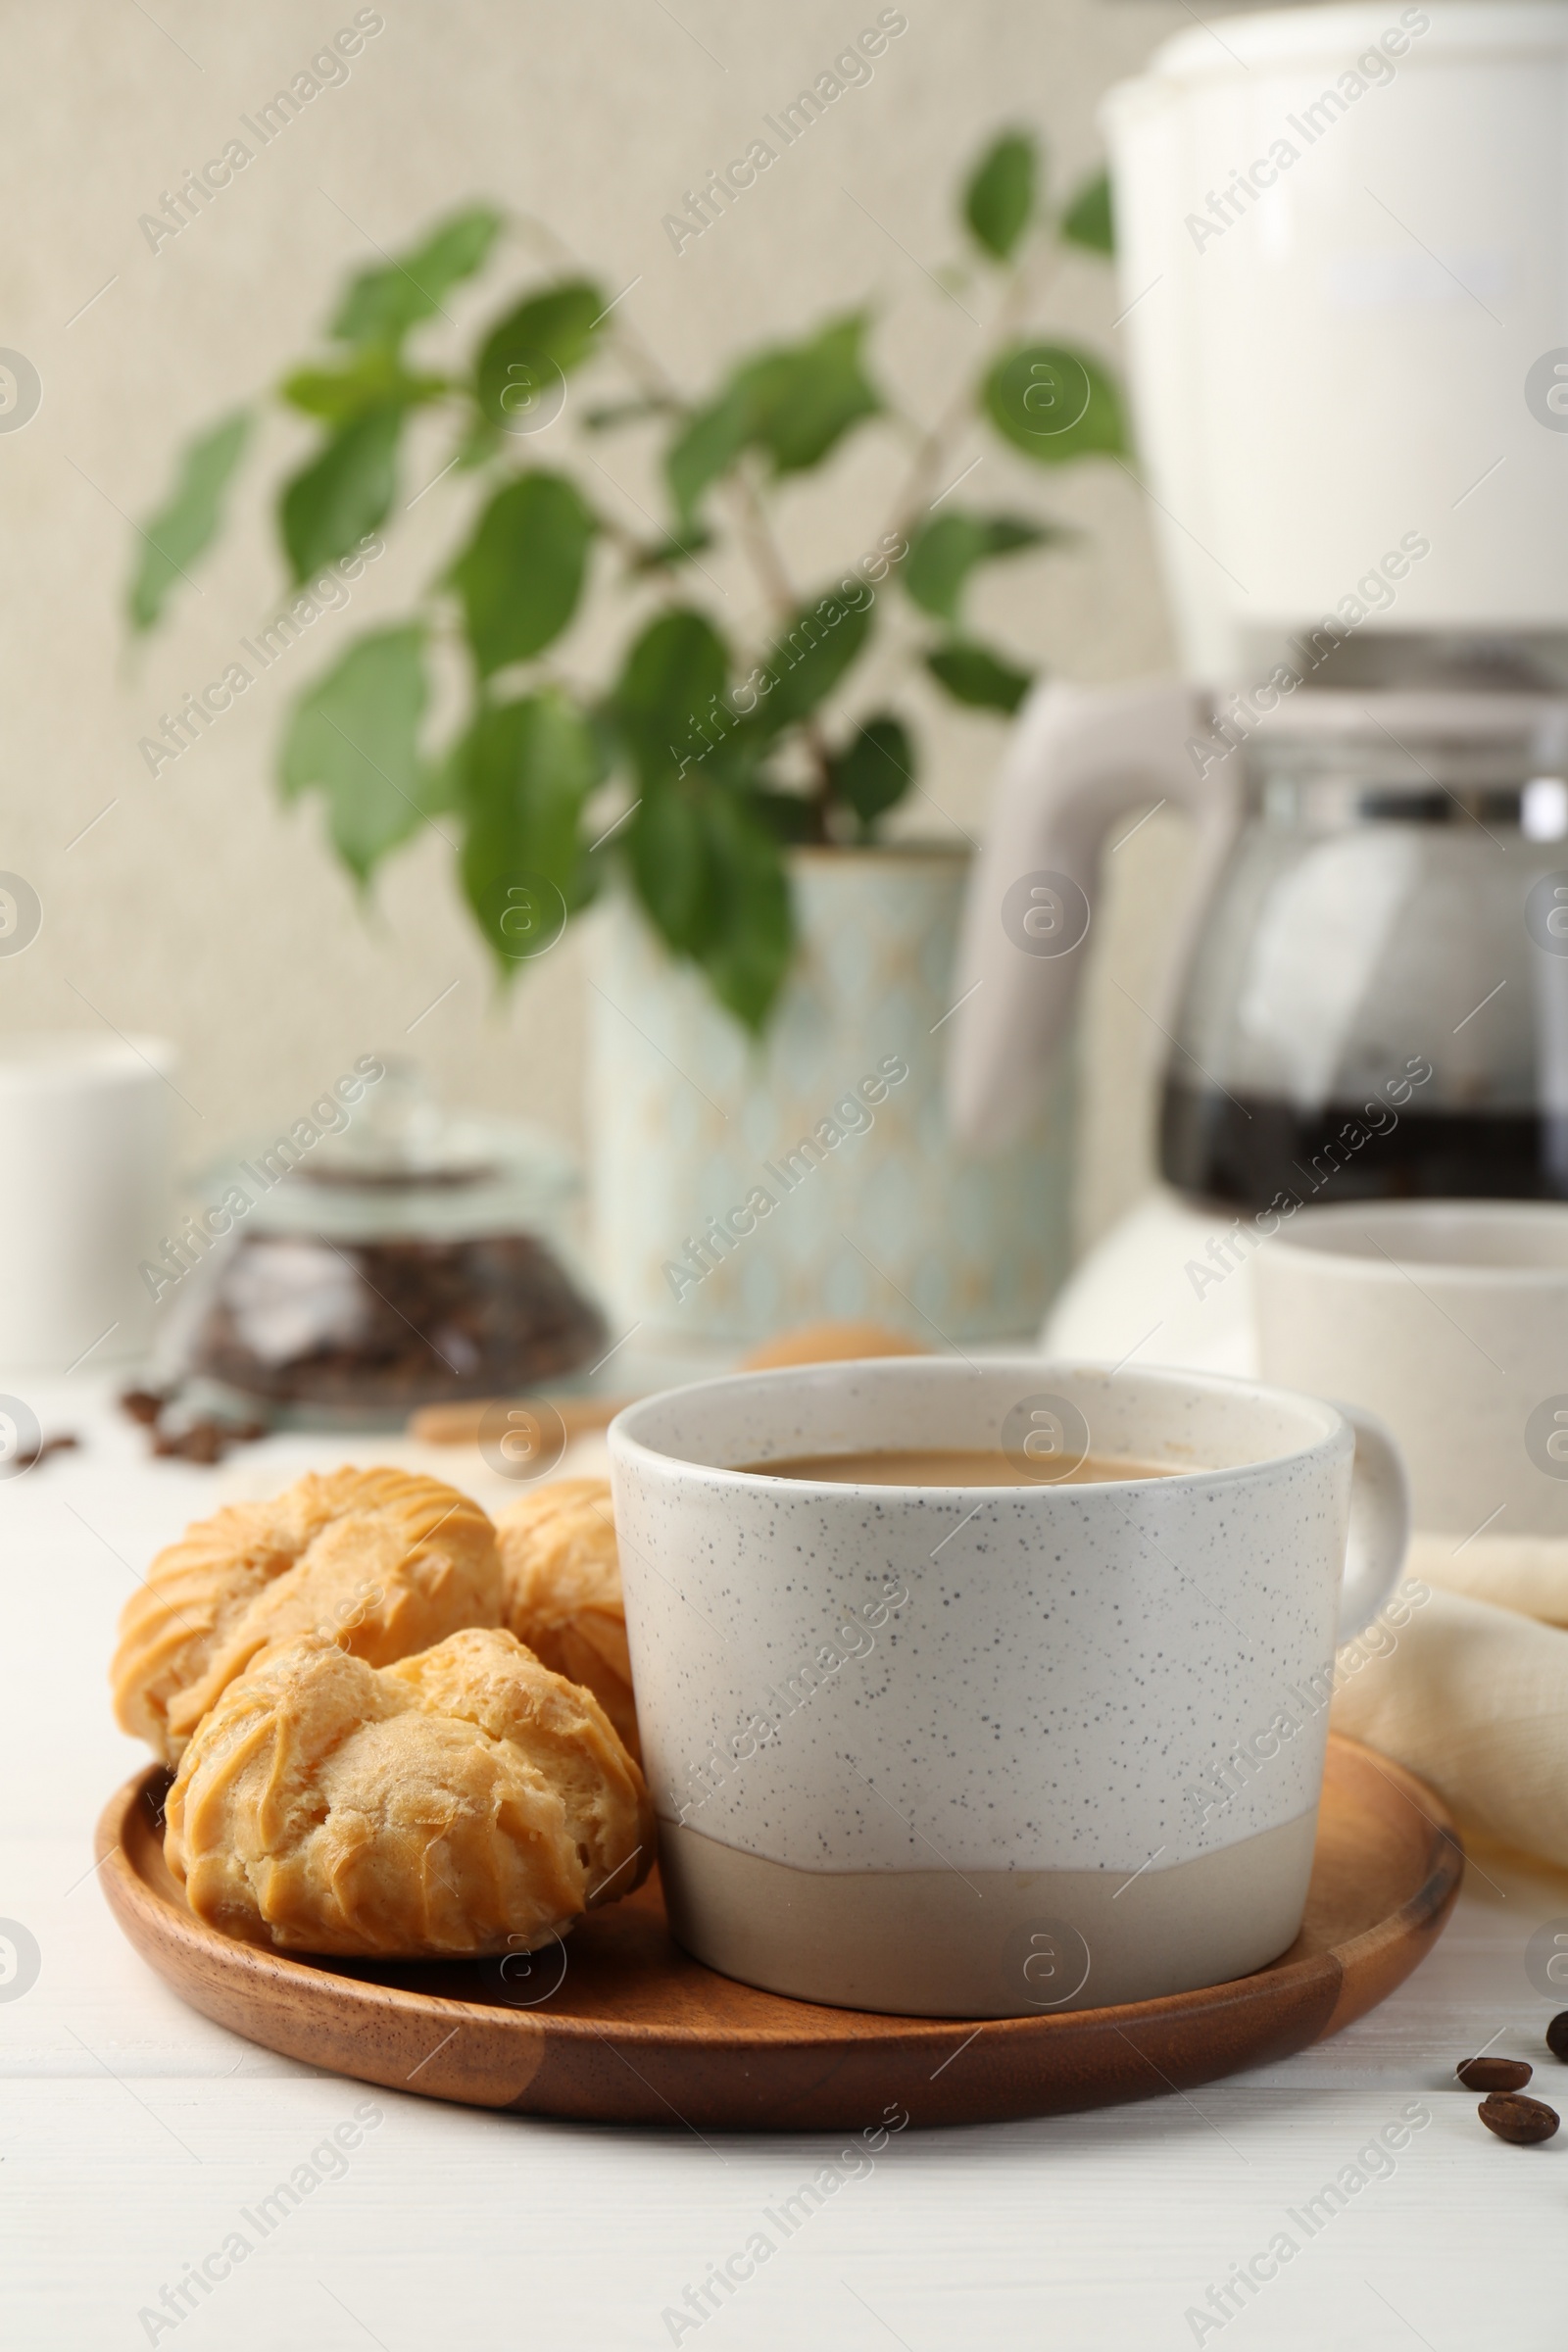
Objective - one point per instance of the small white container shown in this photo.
(84, 1195)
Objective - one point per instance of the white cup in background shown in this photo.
(84, 1195)
(1448, 1319)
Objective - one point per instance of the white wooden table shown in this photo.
(134, 2136)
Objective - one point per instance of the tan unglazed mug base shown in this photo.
(990, 1942)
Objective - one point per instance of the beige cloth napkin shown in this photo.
(1470, 1690)
(1525, 1573)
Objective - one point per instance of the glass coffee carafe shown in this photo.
(1371, 997)
(1376, 996)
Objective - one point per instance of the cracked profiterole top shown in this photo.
(381, 1563)
(463, 1801)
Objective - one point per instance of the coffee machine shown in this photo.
(1343, 254)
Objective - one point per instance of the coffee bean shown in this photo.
(1557, 2035)
(200, 1442)
(143, 1404)
(43, 1449)
(1522, 2121)
(1494, 2074)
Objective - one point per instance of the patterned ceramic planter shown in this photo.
(738, 1188)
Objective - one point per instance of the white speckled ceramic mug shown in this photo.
(964, 1751)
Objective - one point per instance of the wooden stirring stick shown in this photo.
(459, 1424)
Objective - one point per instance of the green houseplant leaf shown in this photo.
(806, 663)
(723, 776)
(709, 870)
(1089, 220)
(706, 448)
(1001, 195)
(347, 488)
(1056, 404)
(946, 551)
(670, 705)
(185, 523)
(705, 863)
(522, 573)
(374, 378)
(525, 770)
(543, 338)
(875, 769)
(354, 737)
(343, 493)
(803, 399)
(972, 673)
(750, 955)
(793, 404)
(671, 871)
(381, 305)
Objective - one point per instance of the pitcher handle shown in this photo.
(1078, 759)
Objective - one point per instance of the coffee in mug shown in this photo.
(952, 1467)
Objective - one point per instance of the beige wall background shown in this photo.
(193, 904)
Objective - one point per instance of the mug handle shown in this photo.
(1380, 1522)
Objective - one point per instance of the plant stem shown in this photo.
(823, 796)
(756, 537)
(651, 376)
(1024, 281)
(645, 367)
(641, 362)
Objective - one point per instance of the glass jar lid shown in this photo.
(390, 1163)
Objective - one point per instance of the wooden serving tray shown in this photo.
(625, 2028)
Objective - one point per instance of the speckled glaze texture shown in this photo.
(1068, 1678)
